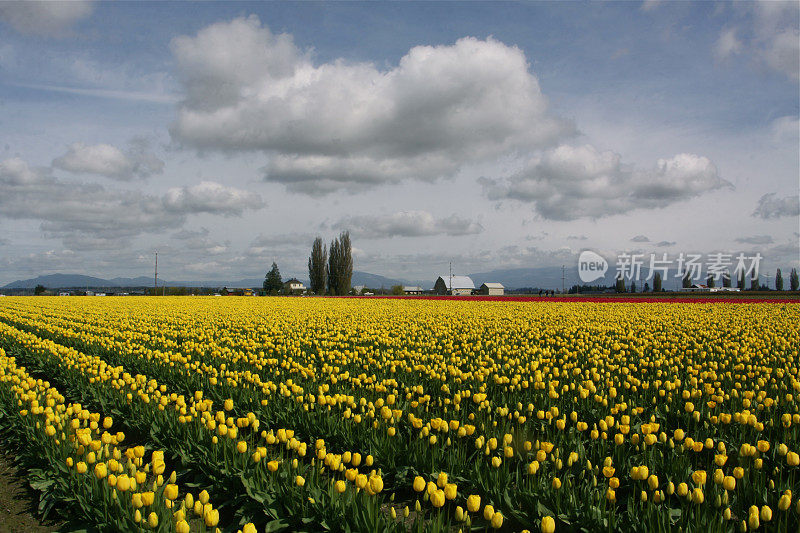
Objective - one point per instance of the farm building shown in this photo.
(412, 290)
(454, 285)
(705, 288)
(492, 289)
(294, 286)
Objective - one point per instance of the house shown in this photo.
(294, 286)
(492, 289)
(454, 285)
(63, 294)
(412, 290)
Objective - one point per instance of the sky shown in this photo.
(229, 135)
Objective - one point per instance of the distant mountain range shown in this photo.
(67, 281)
(62, 281)
(540, 277)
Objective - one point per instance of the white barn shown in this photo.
(492, 289)
(454, 285)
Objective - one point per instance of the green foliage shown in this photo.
(39, 290)
(273, 283)
(657, 282)
(318, 267)
(620, 287)
(340, 265)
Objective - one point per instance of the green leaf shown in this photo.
(543, 510)
(276, 525)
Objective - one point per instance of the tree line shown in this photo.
(330, 269)
(741, 282)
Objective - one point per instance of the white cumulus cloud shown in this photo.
(771, 36)
(109, 161)
(89, 216)
(571, 182)
(211, 197)
(341, 125)
(407, 224)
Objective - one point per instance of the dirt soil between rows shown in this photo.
(18, 502)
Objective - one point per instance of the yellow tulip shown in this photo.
(473, 503)
(488, 512)
(171, 491)
(497, 520)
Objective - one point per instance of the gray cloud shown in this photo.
(784, 254)
(407, 224)
(727, 44)
(428, 265)
(110, 161)
(786, 129)
(569, 182)
(200, 241)
(49, 18)
(755, 239)
(640, 238)
(770, 206)
(286, 239)
(577, 238)
(771, 37)
(211, 197)
(342, 126)
(88, 216)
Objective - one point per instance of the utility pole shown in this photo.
(562, 279)
(155, 278)
(451, 278)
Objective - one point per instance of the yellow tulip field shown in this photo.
(346, 414)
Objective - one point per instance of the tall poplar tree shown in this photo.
(318, 266)
(333, 267)
(340, 265)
